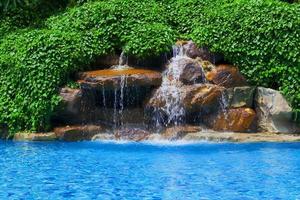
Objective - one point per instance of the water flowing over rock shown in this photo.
(133, 134)
(112, 78)
(273, 111)
(77, 133)
(183, 90)
(178, 132)
(191, 96)
(226, 76)
(237, 120)
(186, 70)
(190, 49)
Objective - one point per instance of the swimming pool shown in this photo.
(96, 170)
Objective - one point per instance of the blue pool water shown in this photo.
(94, 170)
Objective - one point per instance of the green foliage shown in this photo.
(33, 64)
(262, 38)
(149, 39)
(121, 20)
(38, 53)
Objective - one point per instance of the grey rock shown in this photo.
(273, 112)
(238, 97)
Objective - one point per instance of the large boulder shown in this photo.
(226, 76)
(237, 120)
(114, 78)
(238, 97)
(76, 107)
(132, 134)
(273, 112)
(186, 70)
(77, 132)
(195, 98)
(201, 97)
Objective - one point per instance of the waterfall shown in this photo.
(170, 92)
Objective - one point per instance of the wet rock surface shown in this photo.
(77, 132)
(190, 92)
(178, 132)
(190, 49)
(133, 134)
(187, 70)
(201, 96)
(113, 78)
(226, 76)
(237, 120)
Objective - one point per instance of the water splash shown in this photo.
(171, 93)
(123, 63)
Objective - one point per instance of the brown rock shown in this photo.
(134, 134)
(178, 132)
(112, 78)
(72, 100)
(226, 76)
(193, 97)
(76, 106)
(190, 49)
(201, 96)
(187, 70)
(77, 132)
(237, 120)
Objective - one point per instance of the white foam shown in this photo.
(157, 142)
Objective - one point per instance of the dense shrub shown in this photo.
(262, 38)
(121, 20)
(33, 65)
(37, 56)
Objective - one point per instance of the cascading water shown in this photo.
(118, 92)
(170, 92)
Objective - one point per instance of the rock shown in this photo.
(72, 99)
(237, 120)
(241, 137)
(238, 97)
(273, 112)
(201, 96)
(77, 132)
(132, 134)
(190, 49)
(193, 98)
(113, 78)
(226, 76)
(186, 70)
(76, 108)
(35, 136)
(178, 132)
